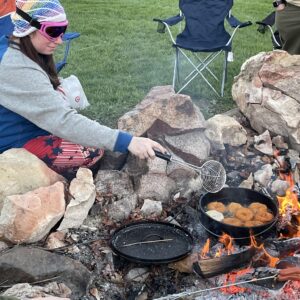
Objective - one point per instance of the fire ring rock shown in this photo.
(267, 93)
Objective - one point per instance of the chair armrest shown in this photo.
(234, 22)
(268, 21)
(70, 36)
(170, 21)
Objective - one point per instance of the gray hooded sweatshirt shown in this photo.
(26, 90)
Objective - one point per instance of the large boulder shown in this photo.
(175, 110)
(32, 265)
(29, 217)
(267, 93)
(21, 172)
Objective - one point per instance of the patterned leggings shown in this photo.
(62, 156)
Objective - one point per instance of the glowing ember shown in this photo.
(231, 278)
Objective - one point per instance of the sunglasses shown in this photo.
(53, 30)
(50, 30)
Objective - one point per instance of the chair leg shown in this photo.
(197, 71)
(224, 76)
(176, 68)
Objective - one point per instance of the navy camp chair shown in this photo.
(6, 28)
(268, 23)
(204, 33)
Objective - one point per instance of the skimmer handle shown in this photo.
(164, 156)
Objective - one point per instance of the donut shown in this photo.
(244, 214)
(257, 206)
(252, 223)
(218, 206)
(233, 221)
(263, 216)
(216, 215)
(232, 207)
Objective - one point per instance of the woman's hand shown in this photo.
(280, 7)
(144, 147)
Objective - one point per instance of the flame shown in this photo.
(219, 252)
(227, 241)
(288, 202)
(272, 261)
(289, 205)
(205, 249)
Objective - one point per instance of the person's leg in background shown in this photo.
(288, 25)
(63, 156)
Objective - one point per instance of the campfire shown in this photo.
(215, 260)
(272, 262)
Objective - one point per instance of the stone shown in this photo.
(192, 147)
(263, 176)
(21, 172)
(177, 111)
(223, 129)
(248, 183)
(157, 187)
(112, 160)
(151, 208)
(56, 240)
(114, 183)
(137, 275)
(263, 143)
(26, 291)
(29, 217)
(267, 93)
(27, 265)
(121, 209)
(279, 142)
(279, 187)
(82, 193)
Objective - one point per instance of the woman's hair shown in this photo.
(46, 62)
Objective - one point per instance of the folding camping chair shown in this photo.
(6, 28)
(204, 32)
(268, 23)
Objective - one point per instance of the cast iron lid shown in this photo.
(151, 242)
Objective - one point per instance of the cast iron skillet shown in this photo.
(245, 197)
(151, 242)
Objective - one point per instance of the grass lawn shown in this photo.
(120, 56)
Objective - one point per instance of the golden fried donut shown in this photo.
(257, 206)
(253, 223)
(233, 207)
(233, 221)
(218, 206)
(263, 216)
(244, 214)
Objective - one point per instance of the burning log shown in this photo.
(289, 262)
(262, 276)
(219, 265)
(285, 246)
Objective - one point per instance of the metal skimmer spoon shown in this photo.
(212, 172)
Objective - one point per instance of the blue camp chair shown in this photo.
(204, 33)
(6, 28)
(269, 23)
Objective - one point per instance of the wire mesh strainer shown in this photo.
(211, 172)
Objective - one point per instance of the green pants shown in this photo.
(288, 25)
